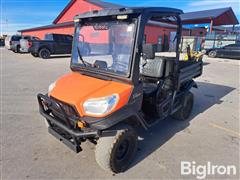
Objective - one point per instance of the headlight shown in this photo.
(100, 106)
(50, 88)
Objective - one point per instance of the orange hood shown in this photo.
(75, 88)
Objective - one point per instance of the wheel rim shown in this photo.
(44, 54)
(122, 150)
(212, 53)
(124, 153)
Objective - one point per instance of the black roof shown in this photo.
(128, 10)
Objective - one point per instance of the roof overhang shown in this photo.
(222, 16)
(52, 26)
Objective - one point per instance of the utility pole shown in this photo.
(233, 29)
(211, 25)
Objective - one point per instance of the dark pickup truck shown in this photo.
(229, 51)
(52, 44)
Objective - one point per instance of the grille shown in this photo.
(68, 109)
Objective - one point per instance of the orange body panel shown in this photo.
(75, 88)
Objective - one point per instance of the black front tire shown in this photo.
(212, 54)
(115, 153)
(187, 104)
(44, 53)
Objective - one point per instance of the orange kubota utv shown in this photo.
(119, 82)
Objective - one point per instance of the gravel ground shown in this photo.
(29, 152)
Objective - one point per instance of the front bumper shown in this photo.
(64, 128)
(13, 47)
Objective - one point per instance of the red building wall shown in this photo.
(153, 32)
(78, 7)
(81, 6)
(200, 32)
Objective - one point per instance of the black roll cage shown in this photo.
(142, 15)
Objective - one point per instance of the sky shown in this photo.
(23, 14)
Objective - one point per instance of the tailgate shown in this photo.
(24, 43)
(190, 72)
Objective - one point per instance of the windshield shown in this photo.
(105, 46)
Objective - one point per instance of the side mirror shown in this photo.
(148, 51)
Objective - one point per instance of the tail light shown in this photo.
(29, 43)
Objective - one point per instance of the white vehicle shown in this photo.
(11, 41)
(25, 43)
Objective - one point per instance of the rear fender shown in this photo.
(41, 47)
(190, 85)
(194, 84)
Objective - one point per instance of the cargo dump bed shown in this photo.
(161, 67)
(189, 70)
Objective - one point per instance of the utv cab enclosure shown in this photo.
(119, 84)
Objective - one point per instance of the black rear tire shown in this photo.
(115, 153)
(187, 104)
(212, 54)
(44, 53)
